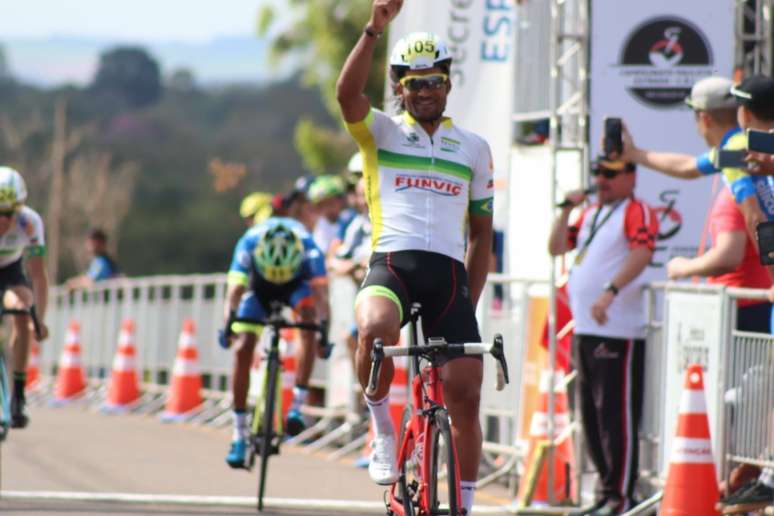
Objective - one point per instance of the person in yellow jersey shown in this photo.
(429, 190)
(255, 208)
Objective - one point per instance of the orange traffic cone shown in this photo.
(70, 380)
(184, 393)
(288, 344)
(33, 367)
(124, 386)
(534, 487)
(691, 486)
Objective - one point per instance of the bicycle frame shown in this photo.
(427, 393)
(272, 355)
(5, 387)
(428, 419)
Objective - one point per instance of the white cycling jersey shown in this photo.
(26, 234)
(419, 188)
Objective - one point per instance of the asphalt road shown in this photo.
(78, 450)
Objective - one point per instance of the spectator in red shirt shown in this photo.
(731, 261)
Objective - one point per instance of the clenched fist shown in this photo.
(383, 12)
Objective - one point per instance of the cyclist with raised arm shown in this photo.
(275, 261)
(428, 186)
(21, 243)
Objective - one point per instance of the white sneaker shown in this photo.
(382, 468)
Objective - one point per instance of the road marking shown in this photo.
(229, 501)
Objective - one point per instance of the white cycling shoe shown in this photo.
(382, 468)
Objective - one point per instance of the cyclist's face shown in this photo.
(426, 104)
(5, 223)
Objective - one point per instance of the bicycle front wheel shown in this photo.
(443, 464)
(267, 424)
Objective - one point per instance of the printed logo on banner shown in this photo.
(670, 221)
(662, 58)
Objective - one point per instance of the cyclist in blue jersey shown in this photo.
(276, 260)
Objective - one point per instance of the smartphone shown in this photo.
(765, 234)
(613, 141)
(730, 159)
(760, 141)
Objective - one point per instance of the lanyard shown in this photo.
(595, 228)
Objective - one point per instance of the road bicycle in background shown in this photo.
(5, 384)
(267, 427)
(427, 452)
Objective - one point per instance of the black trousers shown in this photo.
(610, 389)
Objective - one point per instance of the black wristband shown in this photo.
(369, 32)
(612, 288)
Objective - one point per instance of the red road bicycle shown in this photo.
(426, 451)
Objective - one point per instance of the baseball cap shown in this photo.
(711, 93)
(755, 92)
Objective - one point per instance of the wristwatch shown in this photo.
(371, 33)
(610, 287)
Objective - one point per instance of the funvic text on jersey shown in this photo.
(429, 184)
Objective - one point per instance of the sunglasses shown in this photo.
(418, 82)
(604, 172)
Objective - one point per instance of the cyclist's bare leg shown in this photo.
(462, 393)
(245, 347)
(19, 297)
(377, 317)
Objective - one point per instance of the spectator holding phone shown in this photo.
(715, 111)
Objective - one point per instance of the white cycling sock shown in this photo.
(300, 394)
(468, 492)
(380, 416)
(240, 426)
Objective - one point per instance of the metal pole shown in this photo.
(554, 103)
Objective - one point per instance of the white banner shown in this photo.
(481, 36)
(645, 56)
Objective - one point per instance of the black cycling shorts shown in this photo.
(438, 282)
(12, 275)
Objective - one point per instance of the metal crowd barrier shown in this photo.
(158, 306)
(698, 327)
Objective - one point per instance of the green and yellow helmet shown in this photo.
(326, 187)
(13, 191)
(279, 254)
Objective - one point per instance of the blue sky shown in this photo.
(138, 20)
(50, 42)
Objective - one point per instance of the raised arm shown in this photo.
(681, 166)
(351, 84)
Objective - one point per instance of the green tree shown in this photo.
(128, 74)
(320, 35)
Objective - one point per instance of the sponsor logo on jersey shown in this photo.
(449, 144)
(439, 186)
(244, 259)
(490, 184)
(414, 141)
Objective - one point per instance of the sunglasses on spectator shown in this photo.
(605, 172)
(431, 82)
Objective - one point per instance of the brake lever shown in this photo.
(498, 352)
(377, 356)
